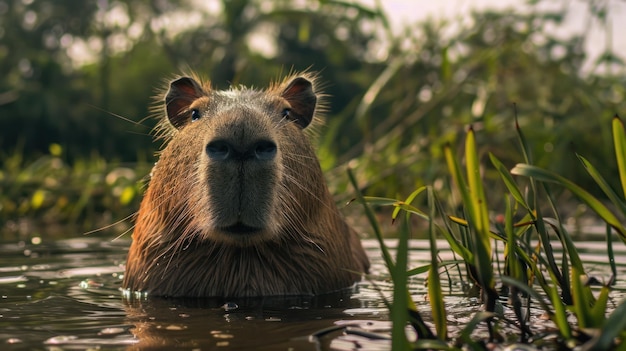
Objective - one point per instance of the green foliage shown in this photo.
(434, 284)
(420, 82)
(37, 197)
(564, 288)
(475, 205)
(425, 98)
(503, 57)
(69, 68)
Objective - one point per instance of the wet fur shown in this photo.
(307, 247)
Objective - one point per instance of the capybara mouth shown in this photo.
(240, 229)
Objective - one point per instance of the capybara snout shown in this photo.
(241, 169)
(223, 150)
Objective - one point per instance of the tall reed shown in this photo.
(531, 230)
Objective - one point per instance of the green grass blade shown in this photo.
(512, 261)
(479, 218)
(522, 140)
(418, 324)
(469, 328)
(399, 205)
(592, 202)
(544, 237)
(619, 141)
(408, 201)
(400, 305)
(567, 241)
(560, 315)
(606, 188)
(599, 307)
(582, 307)
(457, 247)
(457, 175)
(614, 328)
(461, 185)
(380, 201)
(478, 209)
(455, 170)
(523, 286)
(425, 268)
(509, 181)
(434, 284)
(371, 217)
(610, 253)
(569, 251)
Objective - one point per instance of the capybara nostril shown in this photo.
(219, 150)
(265, 150)
(222, 150)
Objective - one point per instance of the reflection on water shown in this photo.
(65, 295)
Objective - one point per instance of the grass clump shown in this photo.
(49, 196)
(533, 275)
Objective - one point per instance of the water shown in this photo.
(65, 295)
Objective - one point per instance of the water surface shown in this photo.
(65, 295)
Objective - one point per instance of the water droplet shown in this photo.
(229, 306)
(110, 331)
(61, 339)
(175, 327)
(223, 336)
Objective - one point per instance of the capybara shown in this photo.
(237, 204)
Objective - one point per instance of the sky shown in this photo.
(406, 12)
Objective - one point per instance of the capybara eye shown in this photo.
(195, 115)
(286, 112)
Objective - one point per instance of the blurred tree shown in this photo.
(72, 67)
(435, 86)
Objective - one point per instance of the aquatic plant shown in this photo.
(532, 275)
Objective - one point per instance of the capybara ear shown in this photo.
(183, 91)
(299, 93)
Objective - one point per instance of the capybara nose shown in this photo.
(223, 150)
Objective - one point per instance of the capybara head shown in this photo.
(238, 184)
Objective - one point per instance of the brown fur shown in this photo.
(186, 240)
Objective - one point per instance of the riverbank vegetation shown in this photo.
(530, 275)
(79, 79)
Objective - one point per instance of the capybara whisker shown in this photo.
(237, 204)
